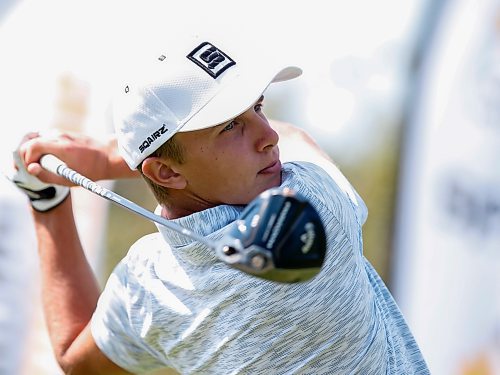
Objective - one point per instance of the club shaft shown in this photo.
(57, 166)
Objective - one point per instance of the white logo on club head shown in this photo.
(308, 237)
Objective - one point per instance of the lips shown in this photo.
(272, 168)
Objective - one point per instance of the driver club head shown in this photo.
(279, 236)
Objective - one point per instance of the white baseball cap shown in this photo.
(192, 85)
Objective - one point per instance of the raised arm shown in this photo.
(69, 288)
(97, 160)
(69, 293)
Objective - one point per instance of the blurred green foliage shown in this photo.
(375, 178)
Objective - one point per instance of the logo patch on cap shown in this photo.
(210, 59)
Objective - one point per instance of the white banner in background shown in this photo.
(447, 273)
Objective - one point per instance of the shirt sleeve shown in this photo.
(343, 184)
(331, 181)
(112, 327)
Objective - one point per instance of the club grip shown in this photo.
(57, 166)
(51, 163)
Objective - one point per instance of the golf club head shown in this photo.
(279, 236)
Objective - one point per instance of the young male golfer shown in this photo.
(192, 122)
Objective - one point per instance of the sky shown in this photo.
(353, 54)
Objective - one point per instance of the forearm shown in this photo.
(93, 159)
(69, 288)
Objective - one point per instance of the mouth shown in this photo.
(272, 168)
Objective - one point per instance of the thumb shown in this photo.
(34, 169)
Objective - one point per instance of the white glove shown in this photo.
(43, 196)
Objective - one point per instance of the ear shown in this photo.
(160, 172)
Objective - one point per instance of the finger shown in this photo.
(46, 176)
(35, 169)
(33, 149)
(26, 149)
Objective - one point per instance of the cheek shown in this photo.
(232, 175)
(230, 167)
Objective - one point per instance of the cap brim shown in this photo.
(235, 98)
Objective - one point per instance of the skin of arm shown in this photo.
(96, 160)
(69, 293)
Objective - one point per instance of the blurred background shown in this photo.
(403, 95)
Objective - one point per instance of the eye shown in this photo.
(258, 107)
(229, 126)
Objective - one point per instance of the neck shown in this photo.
(174, 212)
(181, 204)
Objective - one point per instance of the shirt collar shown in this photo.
(207, 223)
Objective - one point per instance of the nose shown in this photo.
(265, 136)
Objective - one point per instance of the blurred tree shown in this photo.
(375, 179)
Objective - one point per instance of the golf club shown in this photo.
(279, 236)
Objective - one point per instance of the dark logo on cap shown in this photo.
(210, 59)
(152, 137)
